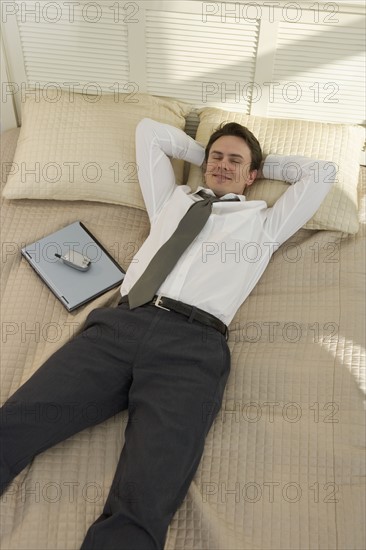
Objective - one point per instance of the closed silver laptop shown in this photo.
(72, 286)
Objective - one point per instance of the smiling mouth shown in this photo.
(221, 177)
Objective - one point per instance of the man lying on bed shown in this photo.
(170, 371)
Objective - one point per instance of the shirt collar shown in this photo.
(227, 196)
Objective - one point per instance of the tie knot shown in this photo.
(213, 198)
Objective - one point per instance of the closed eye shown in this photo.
(235, 159)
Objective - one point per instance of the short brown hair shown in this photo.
(235, 129)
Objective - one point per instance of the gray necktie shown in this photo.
(167, 256)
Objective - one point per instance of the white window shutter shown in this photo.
(62, 46)
(204, 63)
(267, 67)
(319, 73)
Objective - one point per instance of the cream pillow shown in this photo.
(334, 142)
(78, 147)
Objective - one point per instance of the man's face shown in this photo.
(228, 166)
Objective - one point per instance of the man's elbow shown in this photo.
(145, 134)
(143, 125)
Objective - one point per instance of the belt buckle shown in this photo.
(157, 303)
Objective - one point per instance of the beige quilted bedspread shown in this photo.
(284, 463)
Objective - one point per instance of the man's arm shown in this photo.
(155, 142)
(311, 181)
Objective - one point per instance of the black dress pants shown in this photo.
(170, 372)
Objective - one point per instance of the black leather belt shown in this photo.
(192, 312)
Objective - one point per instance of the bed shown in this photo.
(284, 463)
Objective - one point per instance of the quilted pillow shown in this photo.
(78, 147)
(323, 141)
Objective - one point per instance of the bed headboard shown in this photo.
(272, 58)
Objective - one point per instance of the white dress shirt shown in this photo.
(224, 262)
